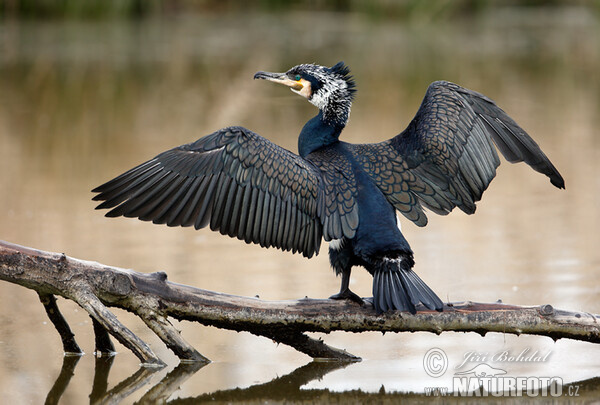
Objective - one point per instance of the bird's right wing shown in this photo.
(234, 180)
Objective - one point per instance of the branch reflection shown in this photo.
(129, 385)
(62, 381)
(101, 370)
(161, 392)
(281, 388)
(287, 388)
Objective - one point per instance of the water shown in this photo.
(81, 102)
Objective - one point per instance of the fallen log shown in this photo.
(96, 287)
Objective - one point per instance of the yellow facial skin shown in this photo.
(305, 90)
(300, 86)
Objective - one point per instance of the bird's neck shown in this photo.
(319, 132)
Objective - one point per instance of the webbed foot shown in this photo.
(347, 295)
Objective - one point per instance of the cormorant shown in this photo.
(245, 186)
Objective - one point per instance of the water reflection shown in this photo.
(288, 388)
(62, 381)
(100, 384)
(81, 102)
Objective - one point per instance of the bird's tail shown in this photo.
(397, 286)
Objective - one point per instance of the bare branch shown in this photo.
(70, 346)
(103, 344)
(171, 336)
(109, 321)
(153, 298)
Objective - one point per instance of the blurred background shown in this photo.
(88, 89)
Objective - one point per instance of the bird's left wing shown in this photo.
(446, 157)
(234, 180)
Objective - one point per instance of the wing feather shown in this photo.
(175, 217)
(446, 157)
(337, 205)
(240, 184)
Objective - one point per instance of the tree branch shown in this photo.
(70, 346)
(95, 287)
(102, 342)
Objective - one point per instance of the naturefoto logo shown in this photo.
(485, 380)
(482, 370)
(475, 376)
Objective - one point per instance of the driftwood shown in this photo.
(153, 298)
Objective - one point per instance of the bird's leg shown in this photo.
(345, 293)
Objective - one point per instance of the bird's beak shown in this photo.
(280, 78)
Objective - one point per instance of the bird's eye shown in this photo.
(297, 78)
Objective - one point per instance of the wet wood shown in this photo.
(96, 287)
(70, 346)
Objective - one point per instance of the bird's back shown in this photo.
(344, 169)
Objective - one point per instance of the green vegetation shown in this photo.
(400, 9)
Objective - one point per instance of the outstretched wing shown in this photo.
(446, 157)
(234, 180)
(339, 208)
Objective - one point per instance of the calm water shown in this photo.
(81, 102)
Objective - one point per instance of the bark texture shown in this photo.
(96, 287)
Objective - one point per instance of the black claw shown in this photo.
(347, 295)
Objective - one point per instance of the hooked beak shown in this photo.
(280, 78)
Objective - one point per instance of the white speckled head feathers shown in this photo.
(331, 90)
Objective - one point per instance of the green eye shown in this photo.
(297, 78)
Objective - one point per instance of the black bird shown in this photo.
(245, 186)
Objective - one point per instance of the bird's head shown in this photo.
(331, 89)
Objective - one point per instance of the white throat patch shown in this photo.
(331, 91)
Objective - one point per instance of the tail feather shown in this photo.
(380, 292)
(398, 288)
(414, 294)
(427, 296)
(400, 300)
